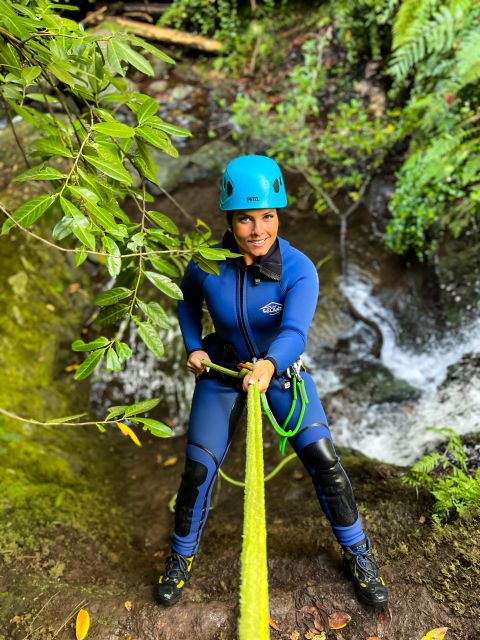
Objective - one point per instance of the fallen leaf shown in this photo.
(294, 635)
(422, 520)
(315, 636)
(128, 605)
(169, 462)
(436, 634)
(82, 624)
(338, 620)
(298, 475)
(50, 307)
(16, 619)
(73, 287)
(128, 432)
(273, 624)
(373, 638)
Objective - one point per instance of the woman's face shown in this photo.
(255, 231)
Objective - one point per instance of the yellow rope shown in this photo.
(254, 611)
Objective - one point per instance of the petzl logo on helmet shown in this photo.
(253, 198)
(272, 308)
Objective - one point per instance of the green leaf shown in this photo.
(29, 74)
(147, 46)
(113, 261)
(156, 138)
(63, 228)
(101, 428)
(112, 296)
(29, 212)
(123, 351)
(116, 411)
(80, 345)
(101, 216)
(148, 108)
(125, 52)
(159, 236)
(212, 254)
(80, 224)
(80, 258)
(114, 129)
(150, 337)
(163, 221)
(173, 130)
(209, 266)
(60, 72)
(164, 266)
(111, 361)
(89, 364)
(165, 284)
(110, 315)
(155, 313)
(141, 407)
(40, 172)
(111, 168)
(156, 428)
(51, 147)
(115, 57)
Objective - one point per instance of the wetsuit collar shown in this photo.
(269, 265)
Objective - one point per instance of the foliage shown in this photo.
(364, 27)
(446, 477)
(217, 19)
(94, 151)
(338, 157)
(438, 186)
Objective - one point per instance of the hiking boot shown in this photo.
(170, 585)
(362, 568)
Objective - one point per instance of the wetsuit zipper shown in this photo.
(243, 274)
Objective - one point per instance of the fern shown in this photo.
(435, 35)
(468, 58)
(448, 481)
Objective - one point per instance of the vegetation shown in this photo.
(446, 477)
(337, 157)
(93, 157)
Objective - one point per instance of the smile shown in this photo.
(257, 243)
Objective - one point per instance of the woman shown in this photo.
(261, 305)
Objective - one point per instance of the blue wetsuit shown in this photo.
(263, 311)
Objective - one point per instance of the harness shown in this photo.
(293, 380)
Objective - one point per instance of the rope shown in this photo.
(254, 611)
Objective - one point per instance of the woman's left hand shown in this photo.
(262, 373)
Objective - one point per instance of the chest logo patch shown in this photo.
(272, 308)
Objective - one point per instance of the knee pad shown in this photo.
(332, 481)
(194, 475)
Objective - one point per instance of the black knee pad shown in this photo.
(194, 475)
(332, 480)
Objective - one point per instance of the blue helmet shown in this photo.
(252, 182)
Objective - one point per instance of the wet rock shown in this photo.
(158, 86)
(463, 371)
(181, 92)
(207, 162)
(370, 380)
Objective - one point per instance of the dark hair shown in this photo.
(230, 218)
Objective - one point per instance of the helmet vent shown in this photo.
(276, 186)
(229, 188)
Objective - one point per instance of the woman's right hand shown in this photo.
(194, 361)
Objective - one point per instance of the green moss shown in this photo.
(51, 476)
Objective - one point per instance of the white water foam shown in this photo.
(426, 369)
